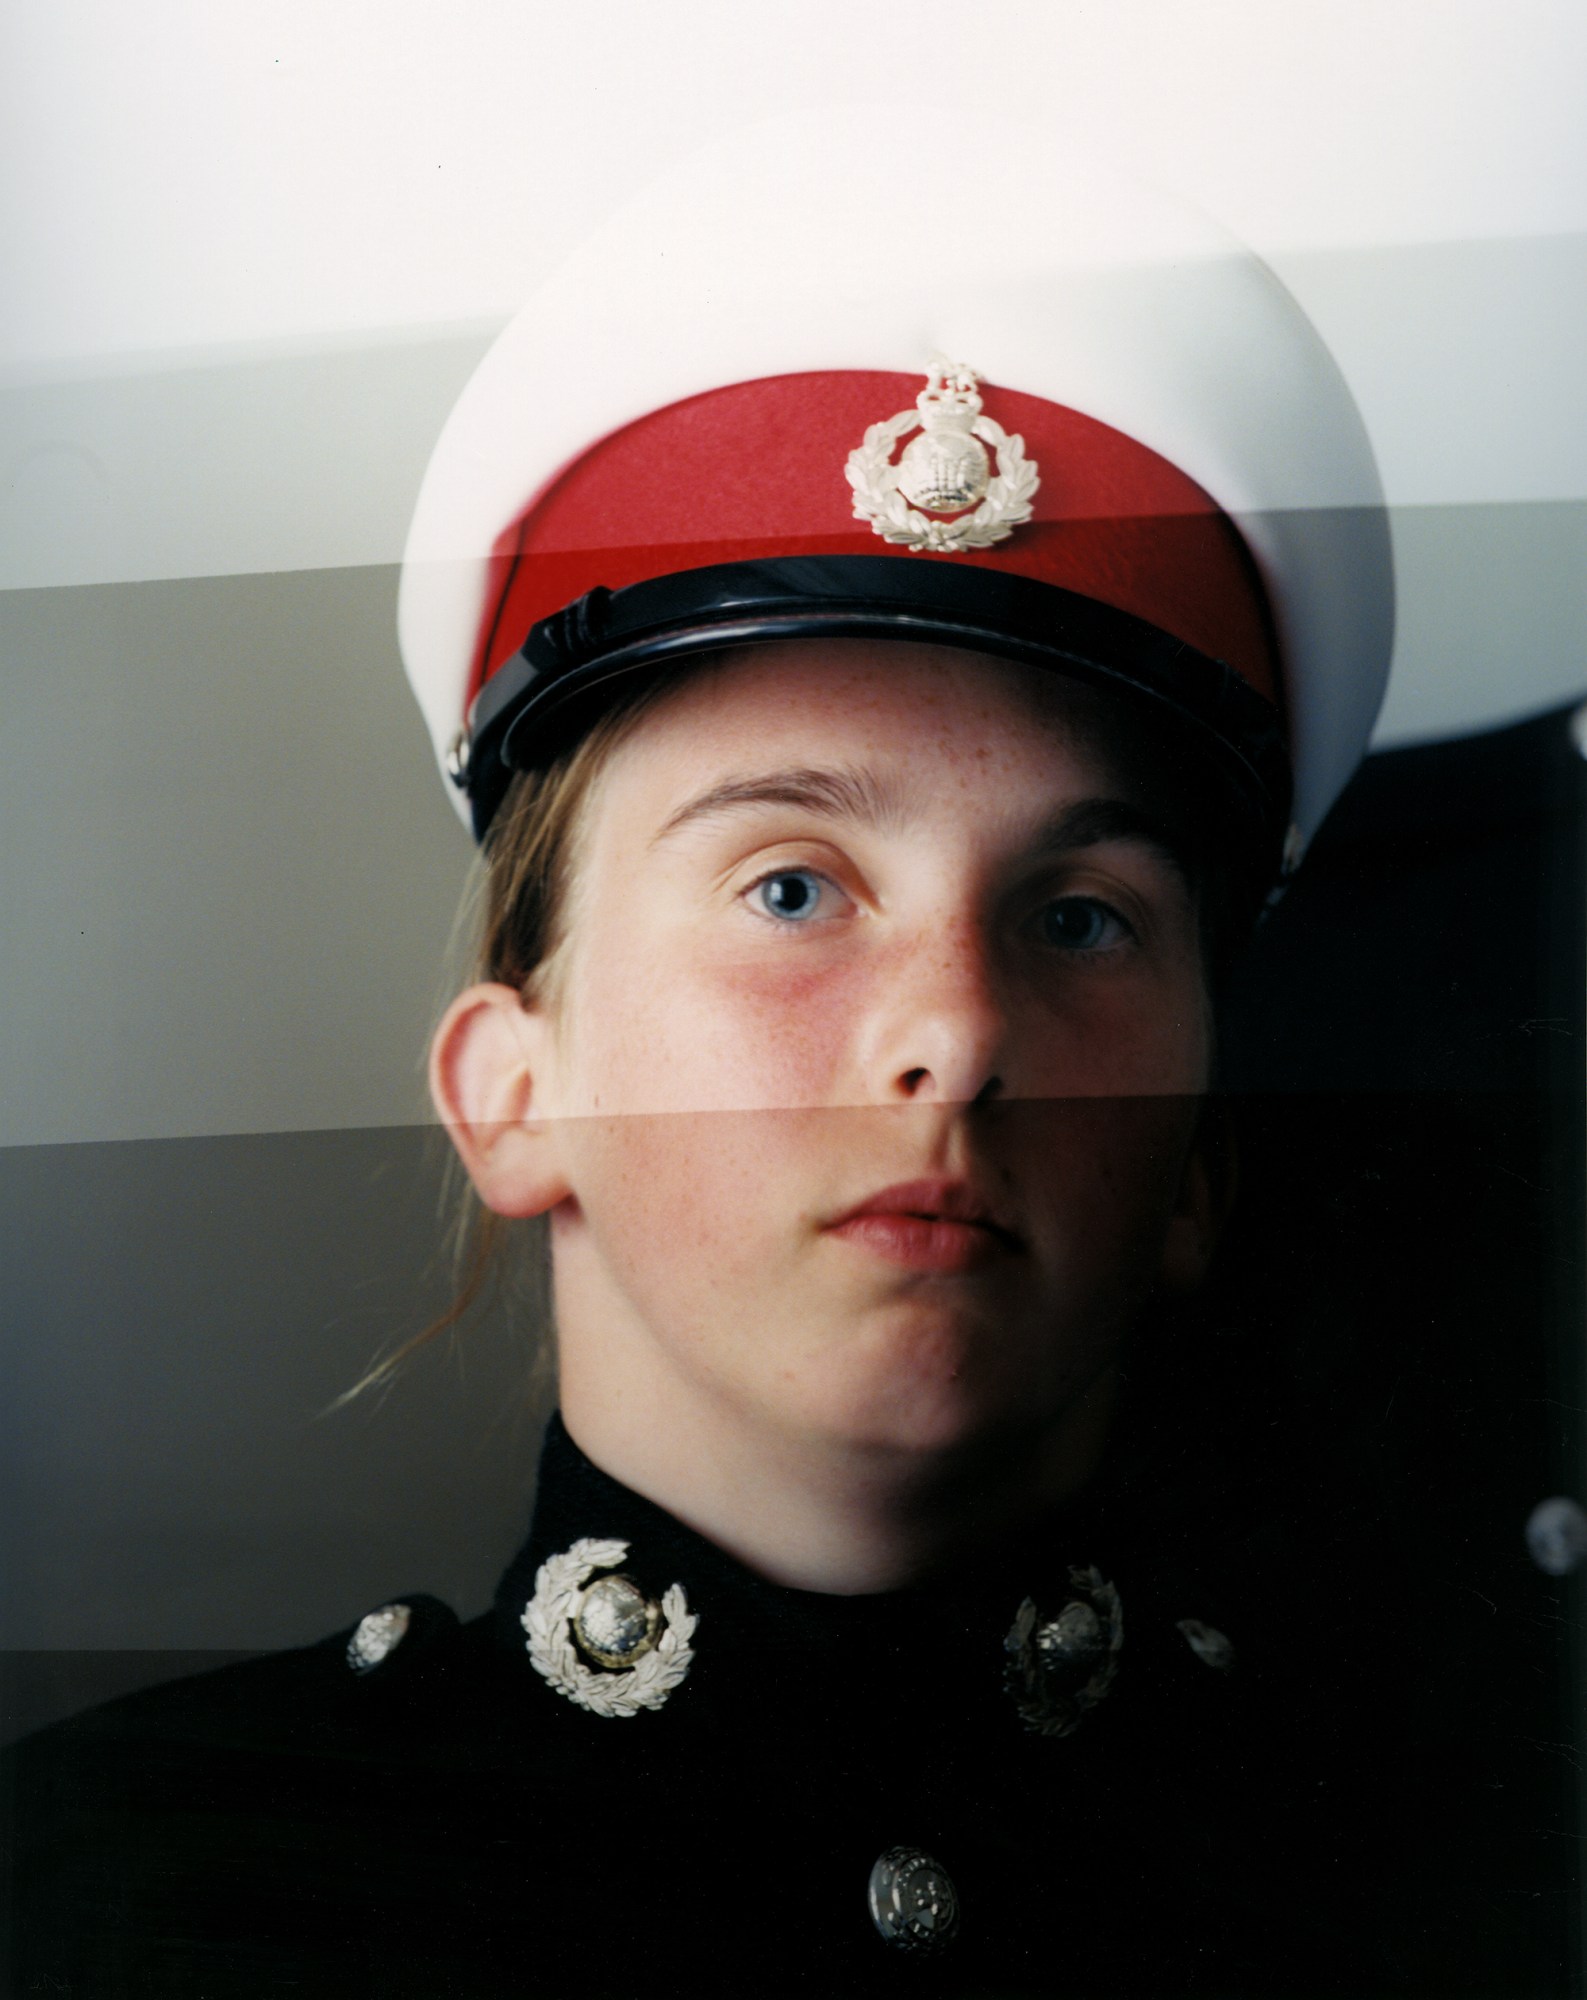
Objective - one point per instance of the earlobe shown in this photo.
(1206, 1195)
(490, 1064)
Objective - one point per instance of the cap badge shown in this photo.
(639, 1650)
(946, 471)
(1058, 1668)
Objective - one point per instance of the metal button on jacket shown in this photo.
(377, 1635)
(1212, 1647)
(1556, 1535)
(914, 1904)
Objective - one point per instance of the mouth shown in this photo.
(928, 1225)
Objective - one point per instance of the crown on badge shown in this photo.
(945, 472)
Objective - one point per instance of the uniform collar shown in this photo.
(810, 1651)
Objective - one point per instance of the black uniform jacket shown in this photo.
(445, 1822)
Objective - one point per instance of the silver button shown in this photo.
(378, 1635)
(1208, 1644)
(914, 1904)
(1556, 1536)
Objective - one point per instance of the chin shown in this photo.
(927, 1387)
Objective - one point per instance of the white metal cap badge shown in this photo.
(945, 471)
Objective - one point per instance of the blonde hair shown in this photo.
(530, 858)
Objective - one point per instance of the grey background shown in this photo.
(178, 1476)
(231, 873)
(231, 878)
(189, 1313)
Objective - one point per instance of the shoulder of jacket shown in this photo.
(300, 1699)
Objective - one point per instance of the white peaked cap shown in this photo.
(824, 241)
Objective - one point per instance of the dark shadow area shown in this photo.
(1391, 1359)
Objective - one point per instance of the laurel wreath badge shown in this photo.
(548, 1620)
(1059, 1669)
(954, 431)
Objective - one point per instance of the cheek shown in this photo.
(673, 1021)
(676, 1031)
(1104, 1175)
(1130, 1040)
(676, 1203)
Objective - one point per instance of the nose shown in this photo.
(939, 1031)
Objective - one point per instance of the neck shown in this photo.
(815, 1511)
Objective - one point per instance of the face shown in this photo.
(877, 1051)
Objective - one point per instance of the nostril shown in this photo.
(913, 1081)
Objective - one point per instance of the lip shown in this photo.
(927, 1225)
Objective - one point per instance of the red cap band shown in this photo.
(757, 470)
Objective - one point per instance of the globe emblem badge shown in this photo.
(943, 494)
(945, 469)
(1058, 1669)
(615, 1623)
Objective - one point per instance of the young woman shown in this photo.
(874, 775)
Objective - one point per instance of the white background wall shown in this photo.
(186, 176)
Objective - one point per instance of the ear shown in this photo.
(490, 1065)
(1207, 1189)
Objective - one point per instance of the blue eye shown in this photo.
(1082, 923)
(792, 894)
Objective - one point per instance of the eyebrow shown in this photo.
(838, 794)
(1095, 822)
(859, 799)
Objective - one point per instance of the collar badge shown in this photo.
(945, 472)
(1059, 1668)
(637, 1650)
